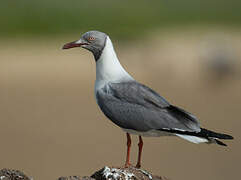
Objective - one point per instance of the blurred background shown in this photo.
(188, 51)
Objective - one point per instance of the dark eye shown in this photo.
(91, 38)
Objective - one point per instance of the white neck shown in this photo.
(108, 67)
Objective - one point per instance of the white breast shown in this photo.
(108, 67)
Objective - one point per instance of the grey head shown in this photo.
(94, 41)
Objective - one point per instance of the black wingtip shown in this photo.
(225, 136)
(220, 143)
(213, 134)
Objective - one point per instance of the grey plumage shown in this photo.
(132, 105)
(97, 44)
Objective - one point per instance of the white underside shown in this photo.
(193, 139)
(155, 133)
(152, 133)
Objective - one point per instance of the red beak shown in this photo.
(73, 44)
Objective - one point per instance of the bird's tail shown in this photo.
(204, 136)
(214, 137)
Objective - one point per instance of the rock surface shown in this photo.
(117, 173)
(10, 174)
(106, 173)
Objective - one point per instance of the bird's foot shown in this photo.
(138, 165)
(127, 165)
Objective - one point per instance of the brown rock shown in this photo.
(106, 173)
(117, 173)
(10, 174)
(121, 173)
(75, 178)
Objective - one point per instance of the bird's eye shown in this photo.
(91, 38)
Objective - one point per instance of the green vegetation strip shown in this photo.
(123, 18)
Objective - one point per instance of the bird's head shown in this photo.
(93, 41)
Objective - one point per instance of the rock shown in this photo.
(10, 174)
(75, 178)
(117, 173)
(106, 173)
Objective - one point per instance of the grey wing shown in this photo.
(131, 105)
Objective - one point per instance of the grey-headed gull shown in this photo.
(134, 107)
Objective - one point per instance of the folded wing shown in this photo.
(132, 105)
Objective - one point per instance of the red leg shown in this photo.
(138, 165)
(127, 164)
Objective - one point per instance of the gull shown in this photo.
(134, 107)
